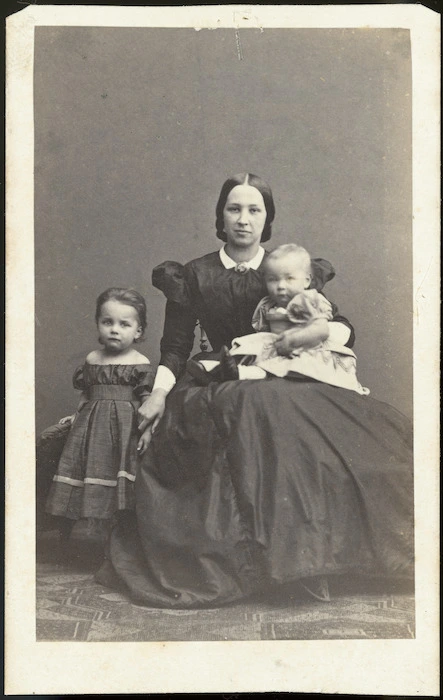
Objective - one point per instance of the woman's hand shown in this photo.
(151, 411)
(302, 338)
(68, 419)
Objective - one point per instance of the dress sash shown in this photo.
(110, 392)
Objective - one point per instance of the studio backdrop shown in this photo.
(137, 128)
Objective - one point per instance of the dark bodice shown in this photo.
(140, 377)
(222, 300)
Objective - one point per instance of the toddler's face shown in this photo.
(285, 277)
(118, 326)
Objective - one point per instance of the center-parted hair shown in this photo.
(130, 297)
(303, 257)
(252, 181)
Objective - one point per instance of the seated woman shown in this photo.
(245, 485)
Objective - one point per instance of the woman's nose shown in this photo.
(243, 216)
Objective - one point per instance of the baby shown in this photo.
(290, 304)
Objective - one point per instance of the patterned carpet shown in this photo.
(72, 607)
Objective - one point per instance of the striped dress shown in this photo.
(96, 473)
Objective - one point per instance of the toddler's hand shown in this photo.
(67, 420)
(145, 439)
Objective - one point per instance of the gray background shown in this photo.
(137, 128)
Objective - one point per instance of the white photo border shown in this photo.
(386, 667)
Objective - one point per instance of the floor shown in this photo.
(71, 606)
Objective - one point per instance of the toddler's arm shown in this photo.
(71, 419)
(303, 338)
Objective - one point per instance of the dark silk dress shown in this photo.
(97, 469)
(250, 484)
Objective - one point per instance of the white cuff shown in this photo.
(209, 364)
(164, 379)
(338, 333)
(251, 372)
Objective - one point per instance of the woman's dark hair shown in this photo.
(125, 296)
(252, 181)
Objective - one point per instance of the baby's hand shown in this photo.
(145, 439)
(287, 342)
(295, 340)
(67, 420)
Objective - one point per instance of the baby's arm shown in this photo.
(303, 338)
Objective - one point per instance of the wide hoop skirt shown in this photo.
(250, 484)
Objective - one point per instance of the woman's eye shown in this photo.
(254, 210)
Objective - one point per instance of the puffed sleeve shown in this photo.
(177, 342)
(78, 379)
(170, 278)
(322, 272)
(145, 380)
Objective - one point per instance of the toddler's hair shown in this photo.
(291, 249)
(125, 296)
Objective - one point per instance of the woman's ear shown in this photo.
(308, 282)
(138, 333)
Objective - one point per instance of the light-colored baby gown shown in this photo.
(327, 362)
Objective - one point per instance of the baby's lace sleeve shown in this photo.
(259, 322)
(309, 306)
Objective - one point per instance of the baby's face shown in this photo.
(285, 277)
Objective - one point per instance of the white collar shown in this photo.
(254, 264)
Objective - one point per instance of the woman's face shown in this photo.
(244, 216)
